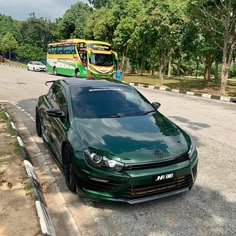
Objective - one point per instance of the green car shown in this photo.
(111, 142)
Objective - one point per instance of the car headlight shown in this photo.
(192, 150)
(101, 161)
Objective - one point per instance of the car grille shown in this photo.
(158, 188)
(101, 186)
(156, 164)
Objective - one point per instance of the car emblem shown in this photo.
(158, 153)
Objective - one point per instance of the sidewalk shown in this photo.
(17, 210)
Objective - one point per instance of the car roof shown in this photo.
(84, 82)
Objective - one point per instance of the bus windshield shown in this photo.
(101, 59)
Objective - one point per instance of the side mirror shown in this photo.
(156, 105)
(55, 112)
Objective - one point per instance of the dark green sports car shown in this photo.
(113, 143)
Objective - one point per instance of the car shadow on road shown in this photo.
(201, 211)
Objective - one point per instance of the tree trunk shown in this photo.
(161, 70)
(207, 72)
(178, 66)
(169, 64)
(216, 71)
(124, 59)
(224, 77)
(197, 65)
(141, 67)
(227, 60)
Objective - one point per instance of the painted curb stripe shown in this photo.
(197, 94)
(13, 125)
(7, 115)
(45, 220)
(30, 170)
(20, 141)
(215, 97)
(38, 193)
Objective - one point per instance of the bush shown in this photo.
(28, 52)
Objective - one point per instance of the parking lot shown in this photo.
(208, 209)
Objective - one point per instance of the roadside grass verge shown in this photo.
(3, 116)
(184, 83)
(11, 132)
(15, 63)
(28, 188)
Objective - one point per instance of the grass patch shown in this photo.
(185, 83)
(3, 116)
(28, 188)
(17, 149)
(10, 130)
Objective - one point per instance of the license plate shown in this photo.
(164, 177)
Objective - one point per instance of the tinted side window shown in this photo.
(61, 99)
(57, 97)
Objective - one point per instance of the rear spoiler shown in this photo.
(50, 81)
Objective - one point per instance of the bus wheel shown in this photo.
(77, 73)
(54, 70)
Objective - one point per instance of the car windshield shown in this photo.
(108, 102)
(101, 59)
(38, 63)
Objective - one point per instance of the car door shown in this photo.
(59, 125)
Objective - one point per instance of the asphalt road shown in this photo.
(208, 209)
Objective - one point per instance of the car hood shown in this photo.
(133, 139)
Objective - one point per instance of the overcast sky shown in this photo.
(20, 9)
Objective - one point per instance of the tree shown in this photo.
(100, 3)
(37, 31)
(28, 52)
(219, 18)
(100, 25)
(73, 22)
(8, 43)
(165, 23)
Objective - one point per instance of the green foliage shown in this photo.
(72, 24)
(27, 52)
(7, 24)
(37, 31)
(100, 3)
(100, 25)
(8, 43)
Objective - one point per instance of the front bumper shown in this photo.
(40, 69)
(136, 186)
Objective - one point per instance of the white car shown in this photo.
(36, 66)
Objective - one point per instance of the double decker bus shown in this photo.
(81, 58)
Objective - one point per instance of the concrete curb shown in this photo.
(204, 95)
(45, 221)
(6, 64)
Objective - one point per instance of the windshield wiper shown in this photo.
(147, 112)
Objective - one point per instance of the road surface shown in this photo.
(208, 209)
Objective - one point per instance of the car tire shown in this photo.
(77, 73)
(38, 124)
(28, 68)
(68, 169)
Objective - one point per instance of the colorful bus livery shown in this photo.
(81, 58)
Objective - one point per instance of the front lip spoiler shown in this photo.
(151, 198)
